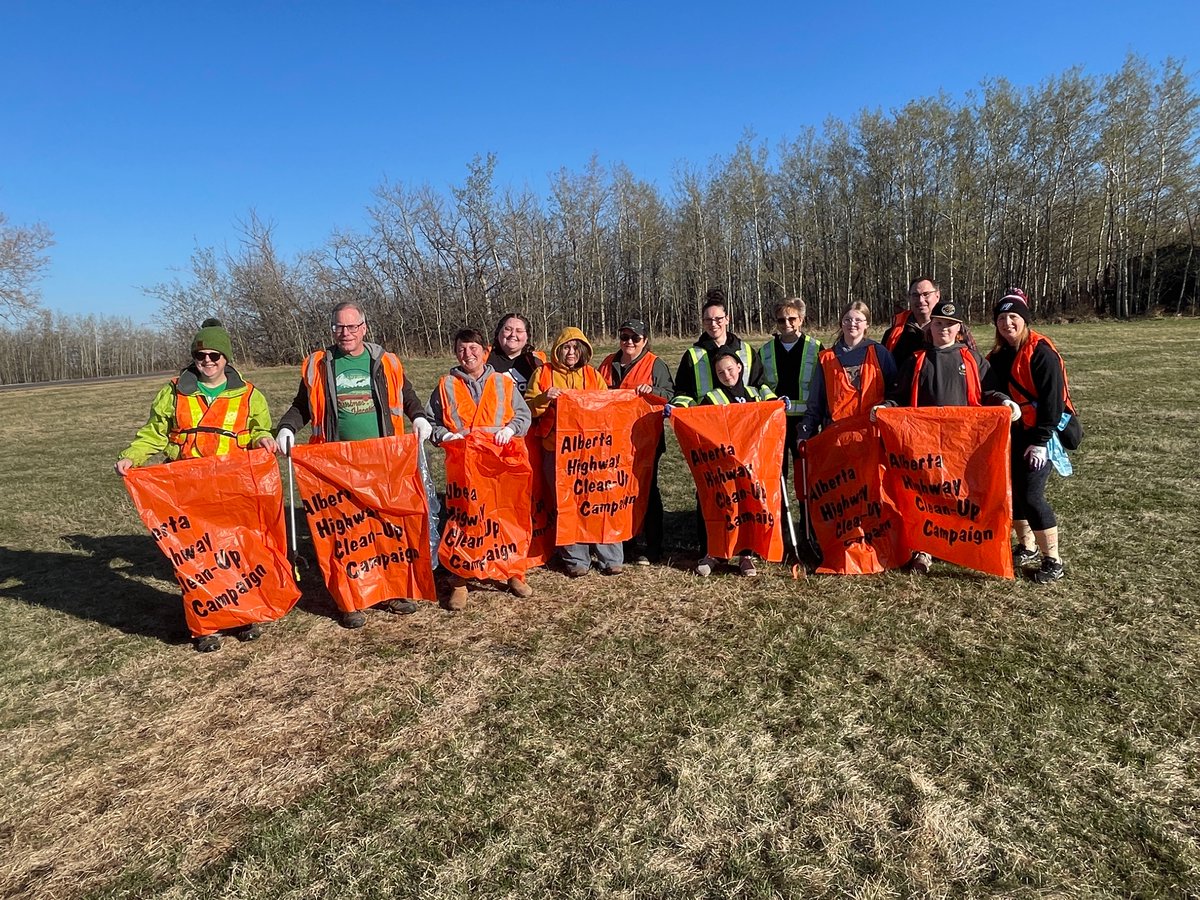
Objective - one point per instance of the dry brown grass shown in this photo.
(652, 735)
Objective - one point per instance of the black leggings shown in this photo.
(1029, 487)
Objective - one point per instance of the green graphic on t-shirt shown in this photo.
(358, 418)
(211, 391)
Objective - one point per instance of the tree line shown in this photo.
(1084, 190)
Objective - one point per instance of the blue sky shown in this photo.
(139, 131)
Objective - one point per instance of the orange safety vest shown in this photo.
(844, 399)
(1021, 377)
(974, 388)
(210, 429)
(460, 412)
(642, 371)
(544, 424)
(313, 374)
(897, 329)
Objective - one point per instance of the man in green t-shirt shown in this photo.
(344, 394)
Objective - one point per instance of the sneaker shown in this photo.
(704, 568)
(520, 587)
(642, 560)
(355, 619)
(612, 570)
(921, 563)
(207, 644)
(1024, 557)
(251, 632)
(1051, 570)
(577, 571)
(746, 567)
(457, 600)
(400, 606)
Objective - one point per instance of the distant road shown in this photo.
(75, 381)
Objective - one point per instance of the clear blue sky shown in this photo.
(138, 131)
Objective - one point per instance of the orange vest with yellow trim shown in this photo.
(210, 429)
(460, 412)
(845, 400)
(642, 371)
(313, 372)
(974, 388)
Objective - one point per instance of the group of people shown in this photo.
(354, 389)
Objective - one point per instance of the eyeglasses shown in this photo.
(631, 339)
(787, 320)
(713, 320)
(207, 356)
(347, 328)
(923, 295)
(850, 320)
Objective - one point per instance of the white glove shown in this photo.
(286, 439)
(1014, 410)
(1037, 457)
(450, 436)
(876, 409)
(422, 429)
(504, 435)
(787, 403)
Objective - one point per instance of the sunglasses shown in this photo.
(630, 339)
(206, 356)
(785, 321)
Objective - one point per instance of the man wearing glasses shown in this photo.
(353, 390)
(696, 375)
(906, 337)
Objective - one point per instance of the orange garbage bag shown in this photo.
(219, 519)
(946, 479)
(735, 454)
(856, 533)
(369, 517)
(488, 499)
(604, 443)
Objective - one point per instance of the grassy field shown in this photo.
(652, 735)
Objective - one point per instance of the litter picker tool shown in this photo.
(797, 566)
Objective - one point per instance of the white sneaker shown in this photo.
(705, 566)
(921, 563)
(746, 567)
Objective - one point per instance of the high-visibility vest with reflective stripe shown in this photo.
(460, 412)
(641, 372)
(718, 398)
(1021, 377)
(703, 374)
(314, 373)
(974, 388)
(844, 399)
(897, 329)
(809, 350)
(211, 429)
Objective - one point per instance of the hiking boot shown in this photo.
(1051, 570)
(251, 632)
(520, 587)
(1024, 557)
(578, 571)
(704, 568)
(612, 570)
(207, 644)
(355, 619)
(457, 601)
(746, 567)
(400, 606)
(921, 563)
